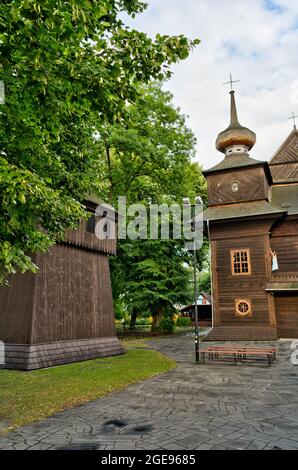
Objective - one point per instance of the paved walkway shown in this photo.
(191, 407)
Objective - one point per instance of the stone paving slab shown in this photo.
(195, 406)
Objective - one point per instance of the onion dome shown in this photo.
(236, 138)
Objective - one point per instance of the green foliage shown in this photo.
(151, 274)
(143, 321)
(26, 199)
(205, 282)
(167, 324)
(68, 67)
(118, 313)
(150, 160)
(183, 321)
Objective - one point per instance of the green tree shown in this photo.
(155, 276)
(152, 276)
(66, 66)
(150, 161)
(205, 282)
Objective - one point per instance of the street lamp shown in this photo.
(198, 202)
(197, 346)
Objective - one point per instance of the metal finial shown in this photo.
(294, 119)
(231, 81)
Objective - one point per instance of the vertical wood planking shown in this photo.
(73, 298)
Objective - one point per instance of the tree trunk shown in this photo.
(133, 318)
(157, 317)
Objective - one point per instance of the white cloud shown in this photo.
(254, 39)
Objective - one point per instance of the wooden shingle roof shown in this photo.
(238, 161)
(285, 197)
(233, 161)
(243, 209)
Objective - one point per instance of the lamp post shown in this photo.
(197, 345)
(193, 248)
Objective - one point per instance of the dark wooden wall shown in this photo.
(73, 297)
(252, 183)
(16, 308)
(280, 310)
(285, 242)
(253, 235)
(70, 298)
(287, 315)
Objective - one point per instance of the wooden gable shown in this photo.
(284, 164)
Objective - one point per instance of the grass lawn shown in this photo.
(136, 343)
(31, 396)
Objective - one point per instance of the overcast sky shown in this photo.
(257, 41)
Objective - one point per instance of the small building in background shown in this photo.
(204, 310)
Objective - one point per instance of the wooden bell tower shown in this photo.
(64, 313)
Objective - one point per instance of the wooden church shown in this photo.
(64, 313)
(252, 222)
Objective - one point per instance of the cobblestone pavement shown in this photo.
(212, 406)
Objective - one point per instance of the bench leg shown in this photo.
(271, 358)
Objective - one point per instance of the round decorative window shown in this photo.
(243, 308)
(235, 187)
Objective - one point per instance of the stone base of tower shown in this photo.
(241, 333)
(37, 356)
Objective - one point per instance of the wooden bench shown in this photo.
(238, 354)
(246, 349)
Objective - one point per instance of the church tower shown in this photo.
(238, 178)
(239, 219)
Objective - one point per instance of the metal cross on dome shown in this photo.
(294, 119)
(231, 81)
